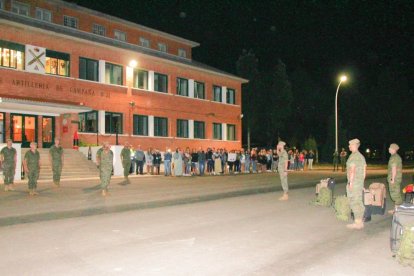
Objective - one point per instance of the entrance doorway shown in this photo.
(48, 131)
(23, 129)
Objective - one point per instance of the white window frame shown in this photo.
(99, 29)
(1, 4)
(18, 6)
(162, 47)
(42, 14)
(182, 53)
(74, 20)
(118, 35)
(143, 41)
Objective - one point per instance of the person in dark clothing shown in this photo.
(194, 162)
(156, 161)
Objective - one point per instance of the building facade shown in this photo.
(67, 70)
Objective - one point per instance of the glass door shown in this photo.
(23, 129)
(48, 131)
(2, 128)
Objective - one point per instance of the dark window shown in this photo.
(99, 29)
(57, 63)
(88, 121)
(231, 132)
(113, 74)
(113, 122)
(160, 126)
(70, 21)
(140, 79)
(199, 128)
(182, 128)
(12, 55)
(231, 96)
(199, 90)
(182, 87)
(160, 82)
(140, 125)
(88, 69)
(217, 131)
(216, 93)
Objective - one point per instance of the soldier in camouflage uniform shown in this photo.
(31, 164)
(282, 168)
(126, 161)
(9, 159)
(56, 159)
(356, 171)
(395, 175)
(104, 159)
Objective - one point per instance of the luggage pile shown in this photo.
(324, 193)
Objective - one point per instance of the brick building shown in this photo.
(67, 69)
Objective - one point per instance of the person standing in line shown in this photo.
(217, 163)
(9, 160)
(178, 162)
(247, 161)
(156, 161)
(126, 161)
(149, 161)
(335, 161)
(194, 161)
(343, 156)
(139, 159)
(31, 165)
(253, 160)
(56, 159)
(282, 168)
(167, 162)
(395, 176)
(311, 156)
(201, 161)
(210, 162)
(356, 172)
(104, 160)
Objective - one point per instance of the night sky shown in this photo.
(371, 41)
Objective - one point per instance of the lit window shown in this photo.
(113, 122)
(144, 42)
(199, 90)
(231, 132)
(231, 96)
(160, 126)
(199, 128)
(182, 128)
(57, 63)
(88, 69)
(70, 21)
(140, 79)
(160, 83)
(182, 53)
(99, 29)
(162, 47)
(12, 55)
(140, 125)
(113, 74)
(182, 87)
(217, 131)
(88, 121)
(217, 93)
(118, 35)
(20, 8)
(43, 14)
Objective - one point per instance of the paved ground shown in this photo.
(79, 198)
(244, 235)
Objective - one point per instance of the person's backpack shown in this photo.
(324, 198)
(342, 208)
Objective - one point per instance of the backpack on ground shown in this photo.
(405, 254)
(324, 198)
(404, 215)
(342, 208)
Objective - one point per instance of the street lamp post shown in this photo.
(342, 79)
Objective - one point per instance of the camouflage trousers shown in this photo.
(284, 181)
(8, 173)
(57, 171)
(105, 176)
(33, 176)
(355, 199)
(127, 167)
(395, 193)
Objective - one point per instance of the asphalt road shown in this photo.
(246, 235)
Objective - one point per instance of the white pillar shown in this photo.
(102, 71)
(191, 88)
(151, 126)
(191, 129)
(101, 121)
(224, 131)
(151, 80)
(223, 94)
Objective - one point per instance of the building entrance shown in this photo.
(48, 131)
(23, 129)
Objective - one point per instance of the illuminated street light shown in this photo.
(133, 63)
(342, 79)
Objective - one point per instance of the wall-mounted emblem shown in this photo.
(35, 59)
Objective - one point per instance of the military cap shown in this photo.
(281, 143)
(354, 142)
(394, 146)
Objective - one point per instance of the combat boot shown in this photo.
(284, 197)
(357, 225)
(11, 188)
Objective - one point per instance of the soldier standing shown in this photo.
(31, 164)
(356, 172)
(282, 168)
(395, 175)
(9, 159)
(104, 159)
(56, 159)
(126, 161)
(343, 159)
